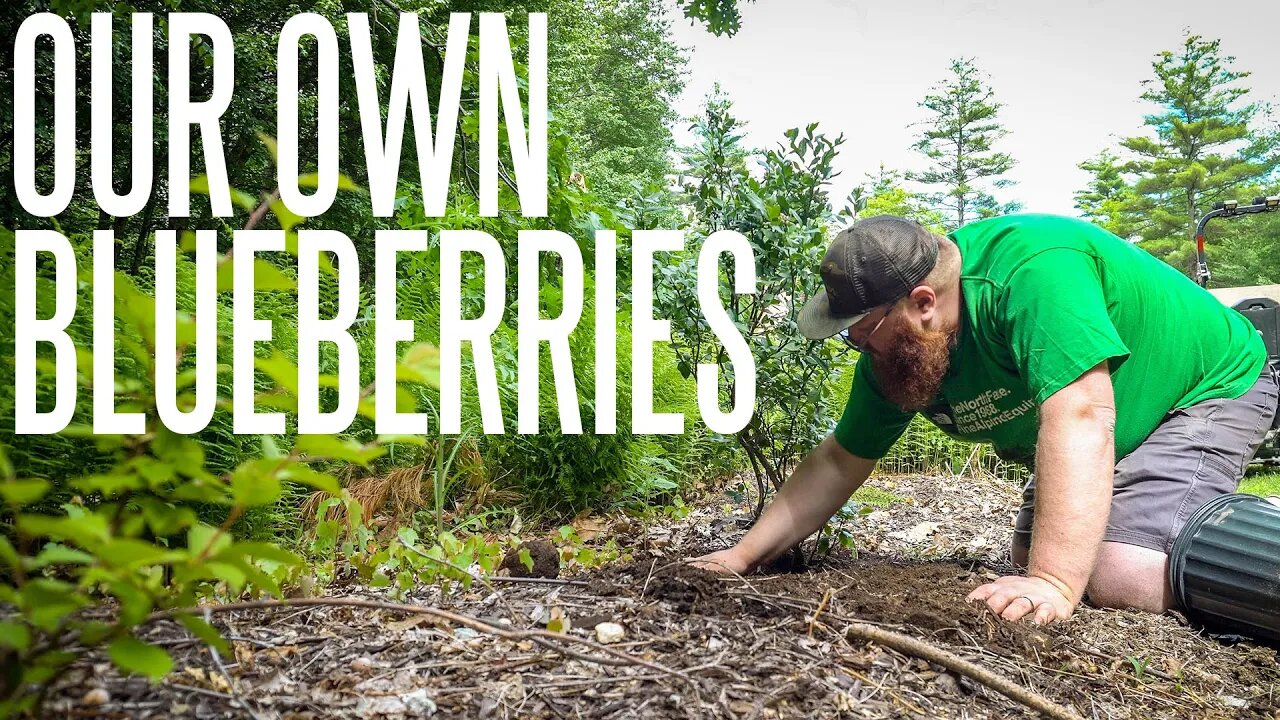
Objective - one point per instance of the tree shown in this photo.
(958, 138)
(612, 88)
(1203, 149)
(1108, 198)
(885, 194)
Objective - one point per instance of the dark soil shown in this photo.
(546, 560)
(764, 646)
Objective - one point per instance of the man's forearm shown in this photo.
(1075, 461)
(815, 491)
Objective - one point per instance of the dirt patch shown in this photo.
(545, 557)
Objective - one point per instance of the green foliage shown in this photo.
(1203, 147)
(885, 194)
(785, 217)
(958, 139)
(923, 449)
(612, 90)
(1245, 250)
(130, 535)
(721, 17)
(1265, 484)
(1108, 200)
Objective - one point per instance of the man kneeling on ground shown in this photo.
(1133, 394)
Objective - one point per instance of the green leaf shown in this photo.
(287, 218)
(207, 633)
(300, 473)
(262, 551)
(47, 602)
(280, 369)
(134, 656)
(180, 451)
(134, 603)
(420, 364)
(266, 276)
(8, 555)
(270, 143)
(23, 492)
(243, 199)
(130, 553)
(86, 529)
(334, 448)
(228, 572)
(252, 484)
(56, 554)
(207, 540)
(14, 635)
(109, 485)
(313, 180)
(270, 449)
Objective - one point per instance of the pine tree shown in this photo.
(1108, 199)
(958, 139)
(1203, 149)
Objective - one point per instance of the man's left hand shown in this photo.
(1015, 596)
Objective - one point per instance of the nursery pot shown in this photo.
(1225, 566)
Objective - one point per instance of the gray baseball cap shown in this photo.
(871, 263)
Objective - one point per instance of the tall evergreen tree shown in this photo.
(1108, 199)
(958, 139)
(1203, 149)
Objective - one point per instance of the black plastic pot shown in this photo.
(1225, 566)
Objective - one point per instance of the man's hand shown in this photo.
(1013, 597)
(817, 488)
(723, 562)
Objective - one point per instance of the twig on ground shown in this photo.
(936, 655)
(826, 597)
(648, 577)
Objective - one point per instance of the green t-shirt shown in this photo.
(1045, 299)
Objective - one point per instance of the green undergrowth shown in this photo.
(1265, 482)
(875, 497)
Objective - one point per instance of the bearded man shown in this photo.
(1133, 394)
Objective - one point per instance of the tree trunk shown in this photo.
(143, 230)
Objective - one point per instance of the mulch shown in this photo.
(765, 646)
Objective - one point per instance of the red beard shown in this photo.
(912, 370)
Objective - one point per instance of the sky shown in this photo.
(1068, 73)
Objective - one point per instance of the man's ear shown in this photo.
(925, 301)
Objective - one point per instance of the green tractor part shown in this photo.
(1224, 567)
(1260, 303)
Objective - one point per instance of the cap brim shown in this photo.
(816, 321)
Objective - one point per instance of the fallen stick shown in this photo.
(955, 663)
(545, 638)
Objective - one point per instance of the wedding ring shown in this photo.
(1028, 599)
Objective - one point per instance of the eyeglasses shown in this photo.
(862, 346)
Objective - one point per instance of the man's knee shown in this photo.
(1129, 576)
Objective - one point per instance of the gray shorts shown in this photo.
(1193, 456)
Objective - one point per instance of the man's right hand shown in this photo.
(723, 562)
(815, 491)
